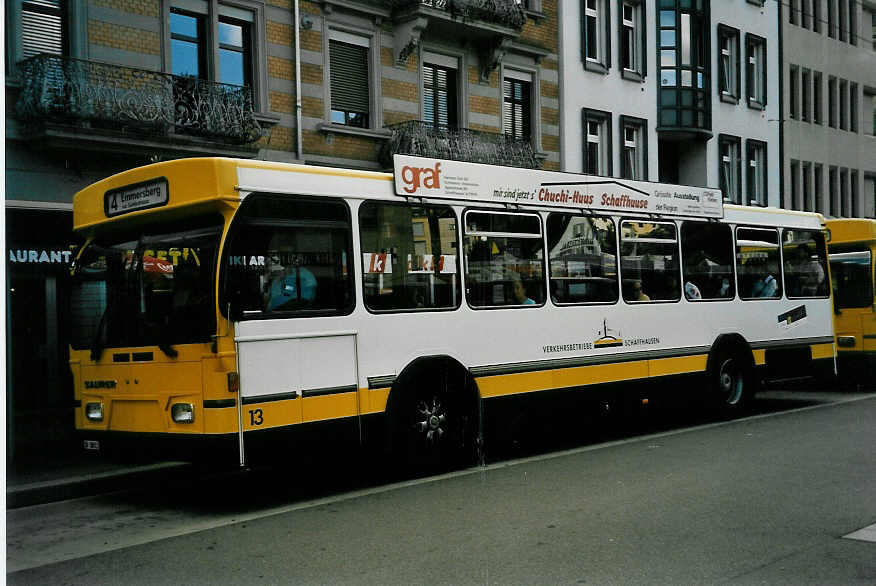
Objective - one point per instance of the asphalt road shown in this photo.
(765, 499)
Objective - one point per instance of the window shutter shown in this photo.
(42, 28)
(349, 77)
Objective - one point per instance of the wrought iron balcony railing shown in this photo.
(422, 139)
(111, 97)
(507, 13)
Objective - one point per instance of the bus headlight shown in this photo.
(183, 413)
(94, 411)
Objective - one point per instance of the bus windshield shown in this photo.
(851, 272)
(151, 287)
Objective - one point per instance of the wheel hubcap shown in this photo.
(431, 419)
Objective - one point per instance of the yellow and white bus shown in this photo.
(239, 302)
(852, 248)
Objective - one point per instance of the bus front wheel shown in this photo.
(436, 421)
(732, 381)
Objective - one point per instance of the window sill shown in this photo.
(729, 99)
(536, 15)
(754, 105)
(758, 3)
(595, 67)
(630, 75)
(266, 119)
(353, 131)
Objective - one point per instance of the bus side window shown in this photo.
(290, 255)
(583, 259)
(706, 251)
(805, 263)
(504, 259)
(649, 261)
(757, 263)
(409, 256)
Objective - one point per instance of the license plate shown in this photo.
(92, 445)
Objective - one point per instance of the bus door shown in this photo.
(287, 379)
(289, 280)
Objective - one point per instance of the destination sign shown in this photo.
(424, 177)
(132, 198)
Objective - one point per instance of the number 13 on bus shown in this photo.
(227, 306)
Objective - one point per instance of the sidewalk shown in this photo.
(66, 476)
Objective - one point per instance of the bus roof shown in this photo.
(194, 185)
(844, 230)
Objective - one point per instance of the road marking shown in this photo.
(40, 540)
(865, 534)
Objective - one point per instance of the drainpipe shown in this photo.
(300, 154)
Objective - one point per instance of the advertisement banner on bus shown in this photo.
(423, 177)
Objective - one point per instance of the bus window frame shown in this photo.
(826, 268)
(237, 221)
(620, 240)
(729, 227)
(504, 212)
(781, 270)
(460, 285)
(618, 281)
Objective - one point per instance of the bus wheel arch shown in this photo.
(434, 415)
(730, 372)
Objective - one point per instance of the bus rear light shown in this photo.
(182, 413)
(94, 411)
(233, 382)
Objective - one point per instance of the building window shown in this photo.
(842, 17)
(634, 150)
(832, 191)
(685, 68)
(806, 168)
(793, 11)
(795, 185)
(43, 28)
(440, 91)
(853, 107)
(517, 104)
(870, 111)
(632, 39)
(596, 37)
(816, 16)
(755, 70)
(844, 192)
(728, 81)
(831, 18)
(853, 22)
(818, 182)
(805, 88)
(817, 116)
(793, 92)
(842, 102)
(831, 101)
(756, 180)
(350, 73)
(224, 55)
(597, 142)
(730, 170)
(805, 15)
(853, 195)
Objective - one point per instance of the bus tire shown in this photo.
(435, 417)
(731, 379)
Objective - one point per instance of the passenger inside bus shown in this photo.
(291, 287)
(520, 293)
(637, 293)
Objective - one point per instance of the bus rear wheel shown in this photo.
(436, 423)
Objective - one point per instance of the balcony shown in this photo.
(421, 139)
(97, 103)
(490, 25)
(503, 13)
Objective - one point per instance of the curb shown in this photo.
(37, 493)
